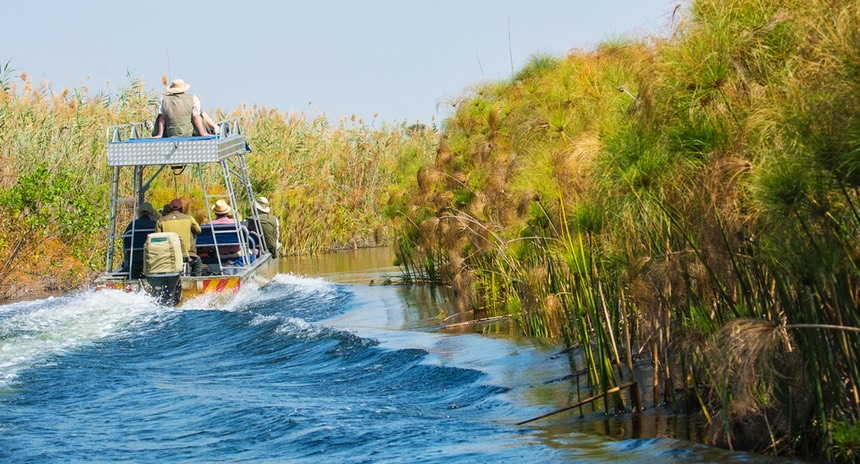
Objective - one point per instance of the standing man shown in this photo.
(187, 228)
(271, 228)
(179, 113)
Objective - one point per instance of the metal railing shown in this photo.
(138, 130)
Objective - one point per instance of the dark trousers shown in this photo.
(195, 265)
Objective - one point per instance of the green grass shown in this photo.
(711, 220)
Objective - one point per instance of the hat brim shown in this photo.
(226, 210)
(261, 207)
(180, 89)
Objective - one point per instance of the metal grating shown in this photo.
(174, 151)
(128, 146)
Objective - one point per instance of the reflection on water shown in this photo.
(651, 423)
(423, 306)
(535, 373)
(368, 266)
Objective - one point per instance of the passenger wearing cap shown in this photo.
(269, 223)
(134, 238)
(179, 113)
(224, 215)
(187, 228)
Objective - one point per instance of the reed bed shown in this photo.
(687, 204)
(329, 182)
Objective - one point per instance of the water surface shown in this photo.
(317, 366)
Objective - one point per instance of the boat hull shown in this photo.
(259, 274)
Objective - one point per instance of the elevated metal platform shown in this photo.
(129, 145)
(137, 160)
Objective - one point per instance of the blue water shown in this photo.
(301, 370)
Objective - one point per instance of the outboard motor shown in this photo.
(162, 266)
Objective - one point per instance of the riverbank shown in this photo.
(694, 198)
(537, 375)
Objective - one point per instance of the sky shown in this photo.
(400, 60)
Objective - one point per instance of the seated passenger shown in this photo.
(187, 229)
(224, 215)
(134, 238)
(271, 228)
(179, 113)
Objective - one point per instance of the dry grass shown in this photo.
(329, 182)
(710, 202)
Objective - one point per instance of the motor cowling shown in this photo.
(162, 254)
(162, 266)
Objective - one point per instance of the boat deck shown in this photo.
(131, 150)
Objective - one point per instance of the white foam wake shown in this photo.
(33, 332)
(316, 285)
(249, 293)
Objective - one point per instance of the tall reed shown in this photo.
(329, 183)
(704, 216)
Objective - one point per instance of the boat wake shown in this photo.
(34, 333)
(282, 374)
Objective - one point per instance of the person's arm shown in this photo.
(209, 122)
(159, 127)
(159, 120)
(196, 119)
(195, 227)
(198, 123)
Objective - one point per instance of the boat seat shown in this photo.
(226, 235)
(135, 241)
(132, 245)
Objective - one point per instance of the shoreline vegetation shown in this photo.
(687, 206)
(329, 181)
(692, 203)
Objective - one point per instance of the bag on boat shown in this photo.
(162, 254)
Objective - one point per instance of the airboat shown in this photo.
(136, 160)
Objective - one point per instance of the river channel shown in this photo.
(324, 364)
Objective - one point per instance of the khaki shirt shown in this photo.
(177, 111)
(271, 231)
(185, 226)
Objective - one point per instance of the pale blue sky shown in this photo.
(397, 58)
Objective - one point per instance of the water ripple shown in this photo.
(110, 376)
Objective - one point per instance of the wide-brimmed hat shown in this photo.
(221, 207)
(262, 204)
(176, 205)
(146, 209)
(177, 86)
